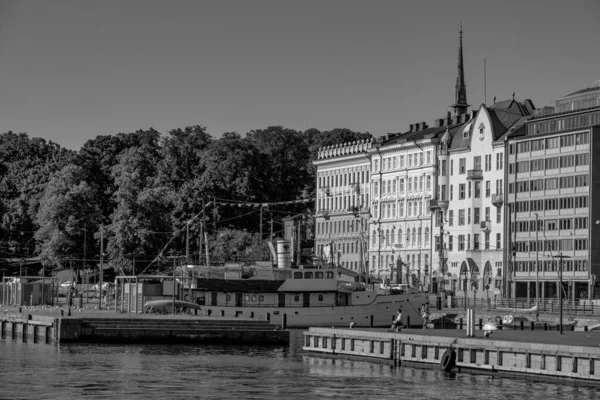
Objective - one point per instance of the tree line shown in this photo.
(142, 188)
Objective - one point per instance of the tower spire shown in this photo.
(460, 98)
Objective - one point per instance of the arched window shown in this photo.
(407, 237)
(426, 236)
(414, 236)
(420, 236)
(374, 237)
(393, 239)
(399, 236)
(387, 237)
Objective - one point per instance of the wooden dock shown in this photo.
(571, 356)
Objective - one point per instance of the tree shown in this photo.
(67, 210)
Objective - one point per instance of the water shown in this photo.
(74, 371)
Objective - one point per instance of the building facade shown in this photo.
(471, 179)
(553, 182)
(341, 222)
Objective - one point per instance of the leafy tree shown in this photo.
(67, 210)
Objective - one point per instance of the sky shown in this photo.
(73, 70)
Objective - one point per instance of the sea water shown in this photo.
(46, 371)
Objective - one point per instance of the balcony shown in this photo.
(497, 199)
(325, 190)
(474, 174)
(438, 204)
(324, 214)
(486, 226)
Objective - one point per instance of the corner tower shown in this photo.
(460, 98)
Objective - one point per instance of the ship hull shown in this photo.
(379, 313)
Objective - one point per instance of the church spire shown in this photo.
(460, 98)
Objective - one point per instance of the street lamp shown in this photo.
(560, 258)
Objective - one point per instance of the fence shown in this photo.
(524, 305)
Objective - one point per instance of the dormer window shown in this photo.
(466, 134)
(481, 128)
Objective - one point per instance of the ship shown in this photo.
(324, 295)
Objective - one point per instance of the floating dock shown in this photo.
(570, 356)
(157, 329)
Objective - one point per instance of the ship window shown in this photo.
(246, 298)
(320, 297)
(228, 297)
(253, 297)
(261, 298)
(308, 275)
(318, 275)
(329, 275)
(296, 297)
(297, 275)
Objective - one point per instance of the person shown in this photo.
(397, 322)
(425, 316)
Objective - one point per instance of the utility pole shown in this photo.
(261, 222)
(187, 243)
(100, 277)
(271, 238)
(206, 244)
(200, 241)
(174, 284)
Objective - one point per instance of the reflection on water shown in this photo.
(182, 371)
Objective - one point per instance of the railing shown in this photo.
(521, 305)
(474, 174)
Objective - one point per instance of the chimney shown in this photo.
(439, 122)
(424, 125)
(457, 119)
(449, 118)
(473, 113)
(417, 127)
(411, 127)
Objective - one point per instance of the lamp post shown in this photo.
(537, 265)
(560, 258)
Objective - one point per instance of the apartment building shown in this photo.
(341, 223)
(553, 184)
(471, 181)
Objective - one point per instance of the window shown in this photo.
(469, 185)
(581, 181)
(451, 196)
(468, 216)
(499, 161)
(462, 166)
(451, 167)
(465, 134)
(582, 159)
(429, 157)
(461, 217)
(582, 138)
(428, 182)
(450, 217)
(537, 145)
(401, 161)
(443, 170)
(488, 162)
(487, 214)
(450, 243)
(498, 215)
(461, 191)
(488, 188)
(477, 162)
(476, 241)
(477, 189)
(487, 240)
(461, 242)
(476, 211)
(498, 242)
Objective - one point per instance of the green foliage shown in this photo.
(143, 187)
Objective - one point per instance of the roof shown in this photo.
(592, 89)
(427, 133)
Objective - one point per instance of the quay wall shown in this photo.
(550, 360)
(42, 329)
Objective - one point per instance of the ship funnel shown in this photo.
(284, 257)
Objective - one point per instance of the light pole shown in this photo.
(560, 258)
(537, 265)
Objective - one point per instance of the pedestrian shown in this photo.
(425, 316)
(397, 322)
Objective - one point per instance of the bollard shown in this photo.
(532, 325)
(522, 323)
(461, 324)
(480, 324)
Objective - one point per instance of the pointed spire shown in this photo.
(460, 98)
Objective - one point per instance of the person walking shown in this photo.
(425, 316)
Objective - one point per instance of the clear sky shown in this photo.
(72, 70)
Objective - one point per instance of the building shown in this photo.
(341, 222)
(471, 181)
(553, 181)
(403, 181)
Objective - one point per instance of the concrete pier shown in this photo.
(125, 329)
(575, 355)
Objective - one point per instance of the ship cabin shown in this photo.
(265, 286)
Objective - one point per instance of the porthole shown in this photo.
(253, 297)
